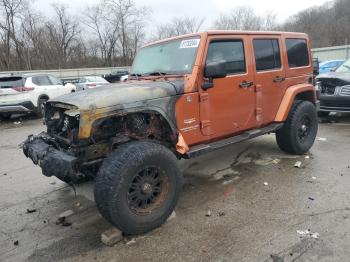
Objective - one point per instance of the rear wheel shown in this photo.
(41, 110)
(137, 187)
(299, 131)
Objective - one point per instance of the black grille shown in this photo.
(328, 88)
(328, 85)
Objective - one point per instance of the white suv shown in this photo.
(27, 93)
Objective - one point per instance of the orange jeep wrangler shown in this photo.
(185, 96)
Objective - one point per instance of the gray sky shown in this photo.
(164, 11)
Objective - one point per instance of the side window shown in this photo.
(332, 64)
(298, 53)
(230, 52)
(55, 81)
(267, 54)
(41, 80)
(35, 80)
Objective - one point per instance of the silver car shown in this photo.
(91, 82)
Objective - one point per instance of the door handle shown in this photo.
(279, 79)
(245, 84)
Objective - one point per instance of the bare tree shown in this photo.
(119, 29)
(96, 18)
(115, 29)
(178, 26)
(63, 32)
(245, 18)
(11, 14)
(327, 25)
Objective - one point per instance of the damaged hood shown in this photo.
(340, 76)
(121, 93)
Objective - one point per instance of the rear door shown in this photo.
(269, 76)
(228, 107)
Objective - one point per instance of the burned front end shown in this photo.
(333, 93)
(77, 142)
(58, 151)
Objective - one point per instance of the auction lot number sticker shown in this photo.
(190, 43)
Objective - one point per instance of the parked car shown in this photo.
(115, 76)
(195, 94)
(124, 78)
(28, 92)
(90, 82)
(334, 90)
(329, 66)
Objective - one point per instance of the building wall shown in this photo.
(331, 53)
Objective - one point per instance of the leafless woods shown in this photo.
(110, 32)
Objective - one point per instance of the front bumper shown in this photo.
(334, 103)
(42, 151)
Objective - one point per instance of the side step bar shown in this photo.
(206, 148)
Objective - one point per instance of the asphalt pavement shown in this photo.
(247, 202)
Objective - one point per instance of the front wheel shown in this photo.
(299, 131)
(137, 187)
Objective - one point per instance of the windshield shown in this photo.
(345, 68)
(173, 57)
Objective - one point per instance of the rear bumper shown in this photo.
(24, 107)
(334, 103)
(53, 162)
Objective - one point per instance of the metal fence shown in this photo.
(71, 74)
(323, 54)
(331, 53)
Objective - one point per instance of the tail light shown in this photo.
(23, 88)
(91, 85)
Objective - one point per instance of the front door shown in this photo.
(229, 106)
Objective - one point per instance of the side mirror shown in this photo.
(215, 70)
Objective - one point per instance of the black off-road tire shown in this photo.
(40, 108)
(116, 179)
(292, 138)
(323, 113)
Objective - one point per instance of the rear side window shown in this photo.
(11, 82)
(298, 54)
(230, 52)
(55, 81)
(267, 54)
(41, 80)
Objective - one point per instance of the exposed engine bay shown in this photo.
(61, 148)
